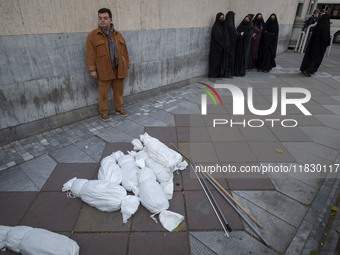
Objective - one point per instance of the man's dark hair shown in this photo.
(105, 10)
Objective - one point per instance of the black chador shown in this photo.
(317, 46)
(268, 44)
(232, 34)
(218, 48)
(244, 34)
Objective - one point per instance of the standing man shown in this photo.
(107, 59)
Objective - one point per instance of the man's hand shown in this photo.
(94, 74)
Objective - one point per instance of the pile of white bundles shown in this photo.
(154, 190)
(33, 241)
(103, 195)
(160, 158)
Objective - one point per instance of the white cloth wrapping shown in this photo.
(109, 170)
(162, 174)
(33, 241)
(129, 173)
(154, 199)
(159, 152)
(103, 195)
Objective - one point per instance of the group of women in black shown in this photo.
(235, 50)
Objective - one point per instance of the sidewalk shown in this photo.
(293, 211)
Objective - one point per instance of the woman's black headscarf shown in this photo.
(268, 44)
(258, 22)
(232, 34)
(217, 48)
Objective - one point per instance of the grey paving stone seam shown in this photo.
(311, 229)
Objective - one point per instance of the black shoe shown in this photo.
(305, 73)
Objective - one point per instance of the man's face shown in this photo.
(104, 20)
(316, 15)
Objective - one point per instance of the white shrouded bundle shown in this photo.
(162, 154)
(162, 174)
(109, 170)
(103, 195)
(33, 241)
(154, 199)
(129, 172)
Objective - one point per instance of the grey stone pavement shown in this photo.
(294, 211)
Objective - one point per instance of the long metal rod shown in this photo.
(240, 213)
(233, 199)
(218, 217)
(215, 202)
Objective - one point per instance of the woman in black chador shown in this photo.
(258, 24)
(317, 46)
(232, 34)
(268, 44)
(218, 48)
(244, 35)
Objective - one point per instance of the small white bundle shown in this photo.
(129, 173)
(103, 195)
(154, 199)
(109, 170)
(159, 152)
(33, 241)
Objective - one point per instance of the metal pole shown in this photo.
(218, 217)
(240, 213)
(215, 202)
(330, 46)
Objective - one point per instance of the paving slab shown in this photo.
(146, 243)
(258, 134)
(199, 248)
(92, 220)
(329, 120)
(66, 171)
(324, 135)
(294, 188)
(201, 215)
(276, 204)
(234, 245)
(275, 231)
(113, 135)
(53, 211)
(101, 243)
(39, 169)
(15, 179)
(202, 152)
(164, 134)
(13, 206)
(311, 152)
(71, 154)
(224, 134)
(234, 152)
(93, 147)
(270, 152)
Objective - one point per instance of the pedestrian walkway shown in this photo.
(294, 211)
